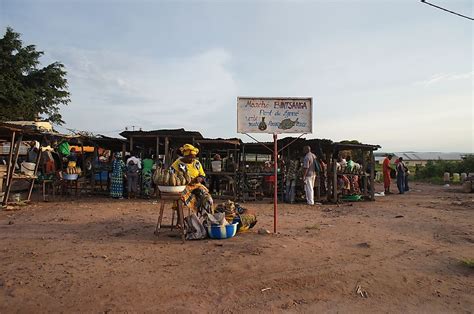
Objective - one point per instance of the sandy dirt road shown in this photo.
(100, 255)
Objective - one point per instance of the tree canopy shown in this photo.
(28, 91)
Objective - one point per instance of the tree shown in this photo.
(28, 91)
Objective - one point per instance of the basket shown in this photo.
(171, 189)
(222, 232)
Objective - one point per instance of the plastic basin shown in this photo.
(222, 232)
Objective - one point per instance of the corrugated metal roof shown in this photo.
(429, 156)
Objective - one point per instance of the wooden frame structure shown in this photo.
(163, 142)
(230, 150)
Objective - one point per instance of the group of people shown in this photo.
(133, 170)
(306, 171)
(402, 174)
(310, 167)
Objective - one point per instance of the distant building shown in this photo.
(416, 158)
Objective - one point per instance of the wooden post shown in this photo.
(12, 170)
(372, 176)
(124, 149)
(328, 177)
(364, 167)
(10, 155)
(275, 184)
(167, 144)
(334, 178)
(131, 144)
(157, 148)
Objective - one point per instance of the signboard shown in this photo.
(274, 115)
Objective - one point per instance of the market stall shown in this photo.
(221, 161)
(162, 144)
(17, 169)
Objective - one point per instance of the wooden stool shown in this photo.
(175, 198)
(70, 185)
(47, 183)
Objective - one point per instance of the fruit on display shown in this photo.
(165, 177)
(73, 170)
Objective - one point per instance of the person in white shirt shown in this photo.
(309, 174)
(134, 165)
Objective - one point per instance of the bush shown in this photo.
(436, 169)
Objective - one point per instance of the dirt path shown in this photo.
(99, 255)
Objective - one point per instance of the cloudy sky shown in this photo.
(397, 73)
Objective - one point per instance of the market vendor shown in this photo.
(196, 196)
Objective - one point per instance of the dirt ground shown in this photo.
(403, 252)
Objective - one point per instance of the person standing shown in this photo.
(147, 173)
(116, 182)
(386, 173)
(290, 178)
(133, 169)
(309, 174)
(216, 166)
(407, 173)
(401, 176)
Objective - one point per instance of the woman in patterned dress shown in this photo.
(116, 185)
(147, 173)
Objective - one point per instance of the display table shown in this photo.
(173, 199)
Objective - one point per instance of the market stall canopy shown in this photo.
(219, 143)
(171, 133)
(176, 138)
(112, 143)
(29, 132)
(351, 146)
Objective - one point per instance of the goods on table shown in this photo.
(164, 177)
(73, 170)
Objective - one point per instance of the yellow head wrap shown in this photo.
(189, 149)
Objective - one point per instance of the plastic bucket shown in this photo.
(28, 168)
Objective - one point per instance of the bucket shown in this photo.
(446, 177)
(28, 168)
(456, 178)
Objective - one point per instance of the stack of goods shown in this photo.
(72, 171)
(170, 178)
(234, 213)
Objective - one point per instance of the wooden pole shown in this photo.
(364, 167)
(328, 177)
(124, 149)
(131, 144)
(12, 170)
(275, 185)
(372, 176)
(334, 179)
(167, 144)
(157, 148)
(10, 155)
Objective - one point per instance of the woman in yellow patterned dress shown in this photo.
(196, 196)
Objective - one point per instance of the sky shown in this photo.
(397, 73)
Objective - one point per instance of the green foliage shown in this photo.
(27, 90)
(469, 262)
(436, 169)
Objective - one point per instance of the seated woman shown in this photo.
(196, 196)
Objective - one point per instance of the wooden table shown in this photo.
(175, 198)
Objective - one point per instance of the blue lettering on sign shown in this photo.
(265, 113)
(289, 114)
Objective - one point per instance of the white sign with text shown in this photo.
(274, 115)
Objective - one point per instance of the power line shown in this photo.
(452, 12)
